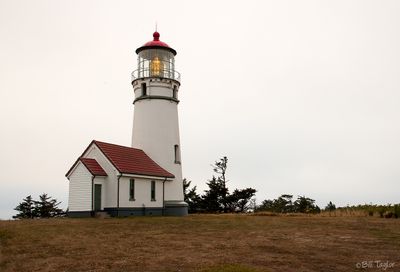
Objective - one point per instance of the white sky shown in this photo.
(302, 96)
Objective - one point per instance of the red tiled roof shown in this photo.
(126, 160)
(93, 166)
(130, 160)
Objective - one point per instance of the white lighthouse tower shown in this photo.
(155, 126)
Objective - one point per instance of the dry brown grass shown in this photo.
(345, 212)
(199, 243)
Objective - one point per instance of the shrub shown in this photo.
(389, 215)
(381, 212)
(397, 211)
(371, 213)
(330, 207)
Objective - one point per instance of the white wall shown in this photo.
(156, 131)
(156, 87)
(109, 188)
(142, 193)
(80, 189)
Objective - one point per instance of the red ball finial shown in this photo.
(156, 36)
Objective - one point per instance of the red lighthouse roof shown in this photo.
(156, 43)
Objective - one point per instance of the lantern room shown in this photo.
(156, 59)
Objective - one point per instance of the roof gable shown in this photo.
(93, 166)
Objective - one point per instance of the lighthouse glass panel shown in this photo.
(156, 63)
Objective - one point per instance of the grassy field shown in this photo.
(205, 243)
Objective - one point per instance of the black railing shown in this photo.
(142, 73)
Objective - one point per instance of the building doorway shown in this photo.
(97, 197)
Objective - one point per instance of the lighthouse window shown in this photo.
(132, 190)
(153, 190)
(144, 89)
(177, 154)
(174, 92)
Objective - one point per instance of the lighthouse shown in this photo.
(145, 178)
(156, 124)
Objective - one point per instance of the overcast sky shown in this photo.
(303, 97)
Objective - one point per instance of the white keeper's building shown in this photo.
(146, 178)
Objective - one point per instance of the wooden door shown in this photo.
(97, 197)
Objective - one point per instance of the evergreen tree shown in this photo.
(284, 204)
(239, 200)
(213, 199)
(220, 167)
(47, 207)
(266, 205)
(305, 205)
(218, 199)
(191, 197)
(330, 207)
(44, 208)
(26, 209)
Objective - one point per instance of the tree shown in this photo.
(330, 207)
(305, 205)
(266, 205)
(191, 197)
(220, 167)
(218, 199)
(47, 207)
(26, 209)
(239, 200)
(284, 204)
(44, 208)
(213, 198)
